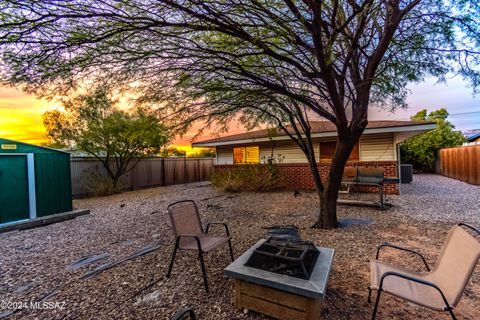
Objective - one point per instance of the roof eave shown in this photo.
(417, 127)
(473, 137)
(36, 146)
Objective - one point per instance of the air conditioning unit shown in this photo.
(406, 173)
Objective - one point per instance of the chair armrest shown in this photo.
(470, 227)
(189, 236)
(409, 278)
(386, 244)
(227, 232)
(184, 312)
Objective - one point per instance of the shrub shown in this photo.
(247, 177)
(421, 150)
(100, 185)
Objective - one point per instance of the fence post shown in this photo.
(198, 175)
(162, 172)
(186, 175)
(475, 156)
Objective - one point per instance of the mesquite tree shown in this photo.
(118, 138)
(280, 61)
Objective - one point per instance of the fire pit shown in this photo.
(282, 278)
(294, 258)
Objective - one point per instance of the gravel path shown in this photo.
(35, 264)
(435, 198)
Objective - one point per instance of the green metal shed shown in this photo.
(34, 181)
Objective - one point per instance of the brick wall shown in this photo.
(297, 175)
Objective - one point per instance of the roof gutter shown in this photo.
(418, 127)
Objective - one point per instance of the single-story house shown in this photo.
(378, 147)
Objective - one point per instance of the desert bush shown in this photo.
(247, 177)
(100, 185)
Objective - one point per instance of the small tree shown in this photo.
(203, 153)
(172, 152)
(422, 149)
(94, 124)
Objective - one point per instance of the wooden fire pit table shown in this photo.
(280, 296)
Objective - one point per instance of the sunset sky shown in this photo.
(21, 114)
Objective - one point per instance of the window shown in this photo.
(327, 149)
(246, 155)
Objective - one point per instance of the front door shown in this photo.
(13, 188)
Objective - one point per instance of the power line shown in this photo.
(463, 113)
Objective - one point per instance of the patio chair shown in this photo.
(189, 233)
(438, 289)
(349, 174)
(184, 314)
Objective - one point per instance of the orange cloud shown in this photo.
(21, 119)
(208, 133)
(21, 116)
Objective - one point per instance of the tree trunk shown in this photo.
(327, 218)
(115, 181)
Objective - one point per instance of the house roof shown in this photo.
(30, 146)
(473, 137)
(319, 129)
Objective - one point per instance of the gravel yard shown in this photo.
(35, 264)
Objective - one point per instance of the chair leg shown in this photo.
(231, 250)
(381, 196)
(202, 264)
(452, 314)
(369, 295)
(173, 258)
(374, 314)
(182, 314)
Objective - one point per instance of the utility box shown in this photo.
(34, 181)
(406, 173)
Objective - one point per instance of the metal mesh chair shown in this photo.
(349, 174)
(438, 289)
(185, 314)
(189, 233)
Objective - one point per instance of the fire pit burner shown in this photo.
(291, 257)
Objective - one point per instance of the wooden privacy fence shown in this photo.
(462, 163)
(149, 172)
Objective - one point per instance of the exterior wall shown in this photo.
(224, 155)
(377, 147)
(298, 176)
(376, 150)
(373, 147)
(287, 149)
(53, 183)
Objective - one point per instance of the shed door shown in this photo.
(13, 188)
